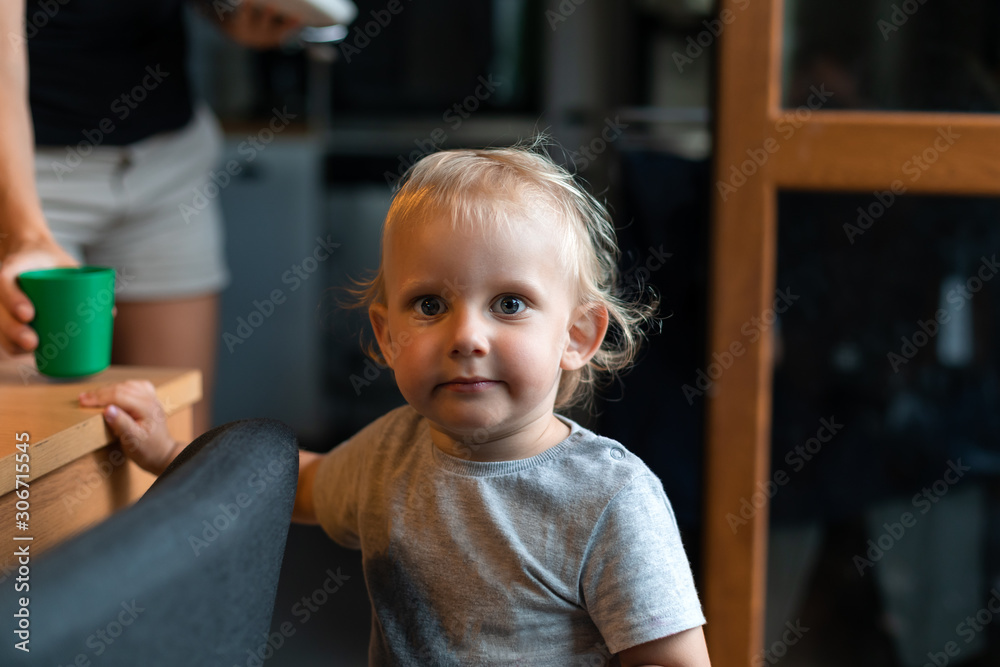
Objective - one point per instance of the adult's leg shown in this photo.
(171, 265)
(181, 332)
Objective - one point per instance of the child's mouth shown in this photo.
(469, 385)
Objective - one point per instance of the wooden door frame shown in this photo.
(851, 151)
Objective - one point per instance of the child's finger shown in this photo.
(100, 396)
(129, 395)
(138, 399)
(123, 426)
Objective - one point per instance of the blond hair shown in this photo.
(499, 186)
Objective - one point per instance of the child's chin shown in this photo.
(471, 427)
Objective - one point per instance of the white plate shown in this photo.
(317, 13)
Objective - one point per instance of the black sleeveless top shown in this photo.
(106, 72)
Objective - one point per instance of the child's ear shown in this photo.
(379, 316)
(586, 333)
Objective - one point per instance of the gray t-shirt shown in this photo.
(560, 559)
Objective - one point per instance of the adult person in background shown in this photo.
(120, 146)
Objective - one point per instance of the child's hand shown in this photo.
(135, 415)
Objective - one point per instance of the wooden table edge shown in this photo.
(176, 393)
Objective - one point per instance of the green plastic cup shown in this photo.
(73, 318)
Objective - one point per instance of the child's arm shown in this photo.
(135, 415)
(305, 510)
(684, 649)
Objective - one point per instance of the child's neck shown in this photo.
(530, 440)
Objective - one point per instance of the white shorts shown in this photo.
(141, 209)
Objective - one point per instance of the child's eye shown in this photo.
(429, 306)
(508, 305)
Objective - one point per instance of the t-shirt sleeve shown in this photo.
(337, 487)
(636, 580)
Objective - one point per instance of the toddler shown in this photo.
(492, 530)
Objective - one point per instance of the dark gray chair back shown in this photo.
(186, 576)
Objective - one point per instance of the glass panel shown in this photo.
(884, 548)
(894, 54)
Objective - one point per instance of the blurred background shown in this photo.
(626, 89)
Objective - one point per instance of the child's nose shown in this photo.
(470, 335)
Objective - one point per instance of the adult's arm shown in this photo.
(25, 239)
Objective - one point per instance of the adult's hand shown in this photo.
(258, 26)
(16, 257)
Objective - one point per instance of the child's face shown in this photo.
(478, 327)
